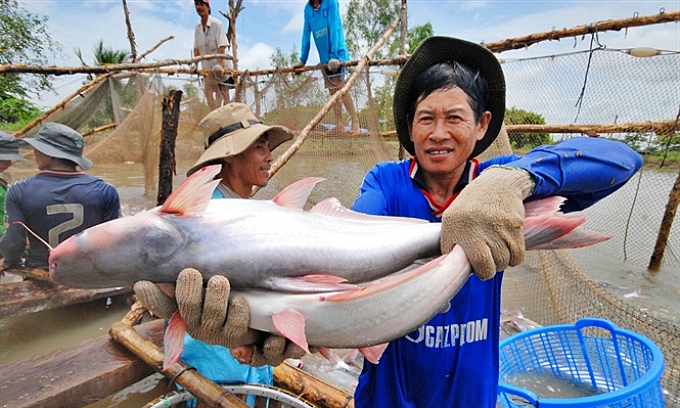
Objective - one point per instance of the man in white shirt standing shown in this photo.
(210, 38)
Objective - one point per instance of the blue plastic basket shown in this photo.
(614, 368)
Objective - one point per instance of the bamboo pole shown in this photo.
(666, 225)
(311, 389)
(99, 129)
(20, 68)
(281, 160)
(664, 127)
(61, 104)
(130, 33)
(600, 26)
(199, 386)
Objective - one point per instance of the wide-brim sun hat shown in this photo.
(231, 129)
(435, 50)
(9, 148)
(60, 141)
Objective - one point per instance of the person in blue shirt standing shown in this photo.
(56, 203)
(237, 140)
(323, 22)
(449, 104)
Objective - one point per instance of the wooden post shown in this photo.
(665, 228)
(166, 166)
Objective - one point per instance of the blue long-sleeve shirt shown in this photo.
(452, 360)
(325, 25)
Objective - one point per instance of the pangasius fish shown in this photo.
(371, 314)
(255, 243)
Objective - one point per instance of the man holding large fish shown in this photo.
(449, 105)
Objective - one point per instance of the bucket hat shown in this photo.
(57, 140)
(435, 50)
(231, 129)
(9, 147)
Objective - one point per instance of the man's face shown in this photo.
(42, 160)
(253, 164)
(201, 8)
(444, 131)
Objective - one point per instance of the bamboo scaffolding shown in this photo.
(281, 160)
(496, 46)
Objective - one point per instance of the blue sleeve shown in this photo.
(13, 241)
(112, 207)
(582, 169)
(371, 200)
(306, 34)
(337, 36)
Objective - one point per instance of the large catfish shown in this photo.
(255, 243)
(371, 314)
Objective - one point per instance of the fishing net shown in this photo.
(599, 87)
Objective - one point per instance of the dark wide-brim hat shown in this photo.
(435, 50)
(231, 129)
(60, 141)
(9, 148)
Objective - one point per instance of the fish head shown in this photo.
(116, 253)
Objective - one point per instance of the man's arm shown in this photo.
(582, 169)
(13, 241)
(335, 31)
(305, 42)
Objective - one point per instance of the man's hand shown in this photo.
(297, 65)
(333, 65)
(486, 220)
(214, 317)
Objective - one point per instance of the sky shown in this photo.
(265, 25)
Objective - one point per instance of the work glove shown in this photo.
(219, 73)
(215, 318)
(486, 220)
(333, 65)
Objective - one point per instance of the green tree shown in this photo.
(515, 116)
(23, 38)
(103, 56)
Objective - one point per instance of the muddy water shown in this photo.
(42, 332)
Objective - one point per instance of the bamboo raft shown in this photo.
(88, 372)
(39, 293)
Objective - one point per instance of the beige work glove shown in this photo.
(219, 74)
(486, 220)
(333, 65)
(218, 319)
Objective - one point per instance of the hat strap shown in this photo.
(228, 129)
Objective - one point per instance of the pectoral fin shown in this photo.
(291, 324)
(174, 340)
(374, 353)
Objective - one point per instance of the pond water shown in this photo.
(42, 332)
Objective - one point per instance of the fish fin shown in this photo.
(389, 281)
(295, 195)
(173, 340)
(291, 324)
(541, 229)
(326, 353)
(446, 307)
(544, 206)
(194, 194)
(373, 353)
(578, 238)
(309, 284)
(334, 208)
